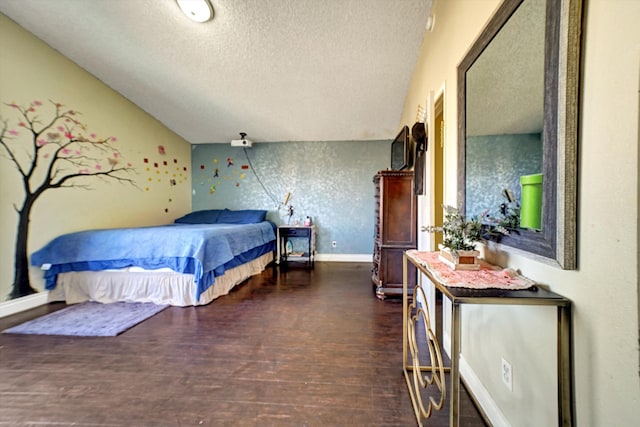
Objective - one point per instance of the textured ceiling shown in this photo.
(279, 70)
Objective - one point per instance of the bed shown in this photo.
(200, 257)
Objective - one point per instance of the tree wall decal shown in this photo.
(52, 153)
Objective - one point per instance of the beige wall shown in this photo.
(30, 70)
(604, 289)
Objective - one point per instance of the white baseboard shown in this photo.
(482, 396)
(344, 258)
(446, 343)
(25, 303)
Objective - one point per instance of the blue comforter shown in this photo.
(204, 250)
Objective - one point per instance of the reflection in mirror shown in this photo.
(518, 87)
(505, 95)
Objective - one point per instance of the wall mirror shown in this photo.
(518, 123)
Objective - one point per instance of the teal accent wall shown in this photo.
(332, 182)
(496, 162)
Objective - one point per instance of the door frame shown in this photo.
(427, 203)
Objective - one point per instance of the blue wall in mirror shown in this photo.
(497, 162)
(329, 181)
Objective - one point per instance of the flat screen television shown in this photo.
(401, 150)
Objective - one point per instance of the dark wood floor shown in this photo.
(296, 348)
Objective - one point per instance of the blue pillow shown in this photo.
(210, 216)
(246, 216)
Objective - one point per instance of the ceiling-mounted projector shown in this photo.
(242, 142)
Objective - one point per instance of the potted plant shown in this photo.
(458, 249)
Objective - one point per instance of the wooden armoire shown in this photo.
(396, 229)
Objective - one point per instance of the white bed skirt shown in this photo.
(166, 287)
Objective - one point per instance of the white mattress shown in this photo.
(157, 286)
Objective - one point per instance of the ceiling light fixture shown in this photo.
(196, 10)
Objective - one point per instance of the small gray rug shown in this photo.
(89, 319)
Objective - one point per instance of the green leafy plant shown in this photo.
(459, 233)
(462, 234)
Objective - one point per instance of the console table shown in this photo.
(419, 376)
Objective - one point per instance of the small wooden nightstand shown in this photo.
(289, 232)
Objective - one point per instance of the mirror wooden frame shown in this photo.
(556, 242)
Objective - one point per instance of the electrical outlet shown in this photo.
(334, 244)
(507, 374)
